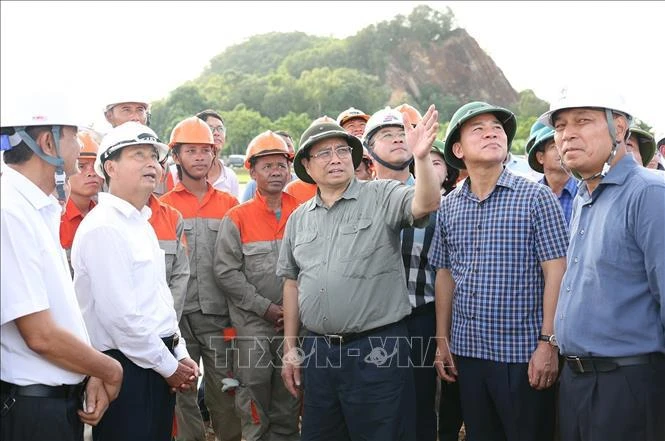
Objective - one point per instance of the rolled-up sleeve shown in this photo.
(286, 264)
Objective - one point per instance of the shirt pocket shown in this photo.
(354, 243)
(169, 248)
(259, 258)
(305, 250)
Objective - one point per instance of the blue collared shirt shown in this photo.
(494, 249)
(567, 196)
(612, 298)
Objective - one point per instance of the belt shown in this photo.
(427, 308)
(582, 365)
(42, 391)
(341, 339)
(171, 341)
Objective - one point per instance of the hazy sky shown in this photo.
(100, 50)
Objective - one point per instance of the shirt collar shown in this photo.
(570, 187)
(506, 179)
(124, 207)
(72, 211)
(29, 190)
(351, 192)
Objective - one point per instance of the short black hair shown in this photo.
(21, 153)
(205, 114)
(112, 157)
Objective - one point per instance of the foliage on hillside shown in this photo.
(285, 80)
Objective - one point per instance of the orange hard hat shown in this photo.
(266, 143)
(90, 146)
(191, 130)
(414, 116)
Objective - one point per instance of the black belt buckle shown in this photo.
(335, 339)
(176, 340)
(578, 362)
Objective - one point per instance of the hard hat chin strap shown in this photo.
(399, 167)
(613, 136)
(56, 160)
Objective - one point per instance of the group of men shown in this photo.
(326, 304)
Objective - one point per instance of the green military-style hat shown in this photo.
(469, 111)
(541, 138)
(647, 144)
(319, 130)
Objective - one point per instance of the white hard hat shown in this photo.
(125, 135)
(577, 96)
(39, 110)
(126, 98)
(385, 117)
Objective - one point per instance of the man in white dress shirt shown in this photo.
(120, 284)
(45, 350)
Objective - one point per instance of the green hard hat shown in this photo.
(318, 131)
(438, 147)
(541, 138)
(647, 144)
(536, 128)
(469, 111)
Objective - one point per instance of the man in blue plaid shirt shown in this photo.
(499, 249)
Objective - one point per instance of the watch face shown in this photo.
(553, 341)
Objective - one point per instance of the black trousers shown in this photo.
(143, 410)
(422, 329)
(450, 412)
(625, 404)
(39, 419)
(499, 404)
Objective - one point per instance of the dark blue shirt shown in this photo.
(494, 249)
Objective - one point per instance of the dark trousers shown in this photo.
(450, 412)
(625, 404)
(143, 410)
(421, 324)
(499, 404)
(39, 419)
(362, 390)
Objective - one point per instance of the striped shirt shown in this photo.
(493, 249)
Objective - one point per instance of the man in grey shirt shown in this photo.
(344, 275)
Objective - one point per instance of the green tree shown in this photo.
(183, 102)
(294, 124)
(530, 105)
(243, 125)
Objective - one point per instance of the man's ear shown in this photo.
(46, 142)
(622, 127)
(457, 150)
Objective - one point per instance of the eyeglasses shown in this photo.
(389, 136)
(342, 152)
(219, 129)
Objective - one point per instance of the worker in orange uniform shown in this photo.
(206, 312)
(245, 262)
(84, 187)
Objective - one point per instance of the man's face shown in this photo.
(355, 126)
(271, 173)
(363, 172)
(390, 145)
(70, 147)
(482, 141)
(194, 159)
(633, 146)
(123, 112)
(86, 183)
(582, 138)
(218, 132)
(135, 171)
(331, 171)
(549, 158)
(439, 167)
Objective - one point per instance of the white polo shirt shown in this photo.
(35, 277)
(120, 284)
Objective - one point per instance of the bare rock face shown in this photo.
(457, 67)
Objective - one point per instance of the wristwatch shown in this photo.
(551, 339)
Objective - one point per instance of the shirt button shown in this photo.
(581, 232)
(325, 318)
(576, 260)
(568, 288)
(322, 290)
(479, 226)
